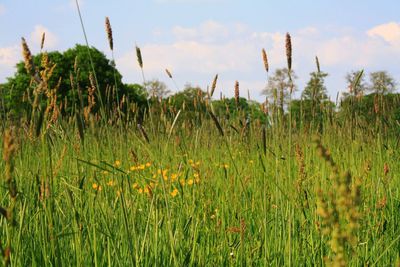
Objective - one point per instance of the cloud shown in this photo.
(2, 9)
(390, 32)
(233, 50)
(51, 40)
(9, 55)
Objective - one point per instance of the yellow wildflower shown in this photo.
(117, 163)
(133, 168)
(135, 186)
(148, 164)
(111, 183)
(97, 187)
(190, 182)
(174, 193)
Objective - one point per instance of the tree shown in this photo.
(279, 87)
(356, 84)
(381, 83)
(72, 68)
(315, 89)
(157, 88)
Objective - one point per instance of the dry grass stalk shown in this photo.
(109, 34)
(265, 59)
(237, 92)
(289, 51)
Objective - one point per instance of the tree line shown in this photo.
(71, 76)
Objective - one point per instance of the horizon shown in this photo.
(196, 39)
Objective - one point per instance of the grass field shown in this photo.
(169, 188)
(190, 196)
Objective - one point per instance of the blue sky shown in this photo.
(196, 39)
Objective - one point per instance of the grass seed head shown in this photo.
(168, 73)
(237, 92)
(289, 51)
(109, 34)
(27, 55)
(139, 57)
(265, 59)
(42, 41)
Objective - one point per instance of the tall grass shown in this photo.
(210, 190)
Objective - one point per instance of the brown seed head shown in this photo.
(289, 51)
(168, 73)
(26, 53)
(139, 57)
(9, 145)
(214, 85)
(317, 63)
(265, 59)
(42, 42)
(109, 34)
(237, 92)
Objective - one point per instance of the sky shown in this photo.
(196, 39)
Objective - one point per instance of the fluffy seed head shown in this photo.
(289, 51)
(26, 53)
(109, 33)
(265, 59)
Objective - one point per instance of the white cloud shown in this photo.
(2, 9)
(8, 58)
(390, 32)
(9, 55)
(233, 51)
(51, 39)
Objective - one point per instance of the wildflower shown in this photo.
(174, 193)
(174, 176)
(97, 187)
(190, 182)
(135, 186)
(111, 183)
(140, 190)
(225, 166)
(182, 182)
(148, 164)
(141, 167)
(251, 162)
(117, 163)
(133, 168)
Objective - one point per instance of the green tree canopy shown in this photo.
(382, 82)
(72, 68)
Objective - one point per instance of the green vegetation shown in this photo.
(100, 173)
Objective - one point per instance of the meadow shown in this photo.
(99, 188)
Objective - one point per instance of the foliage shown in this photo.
(73, 67)
(279, 87)
(157, 88)
(381, 83)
